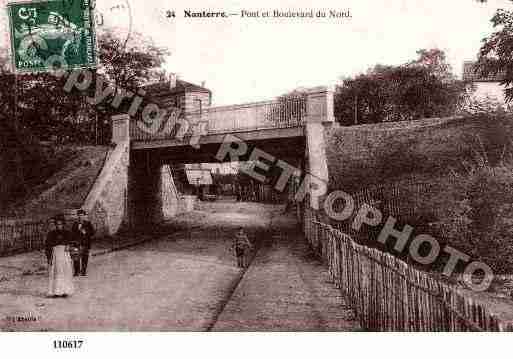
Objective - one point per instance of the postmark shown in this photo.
(50, 34)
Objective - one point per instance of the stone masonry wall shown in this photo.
(106, 204)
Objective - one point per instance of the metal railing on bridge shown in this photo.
(277, 114)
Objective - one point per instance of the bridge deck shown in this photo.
(255, 120)
(284, 117)
(217, 138)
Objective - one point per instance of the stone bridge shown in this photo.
(136, 185)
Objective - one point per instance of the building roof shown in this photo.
(163, 88)
(469, 74)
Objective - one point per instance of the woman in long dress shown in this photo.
(61, 266)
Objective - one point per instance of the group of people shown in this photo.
(67, 253)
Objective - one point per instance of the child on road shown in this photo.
(241, 245)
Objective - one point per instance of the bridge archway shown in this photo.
(275, 130)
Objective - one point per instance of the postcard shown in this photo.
(171, 167)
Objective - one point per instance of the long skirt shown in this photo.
(61, 272)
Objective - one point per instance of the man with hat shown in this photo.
(83, 232)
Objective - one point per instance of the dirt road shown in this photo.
(184, 281)
(286, 289)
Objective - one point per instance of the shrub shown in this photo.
(474, 212)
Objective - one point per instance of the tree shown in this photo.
(21, 158)
(126, 64)
(290, 108)
(6, 93)
(422, 88)
(129, 63)
(44, 107)
(496, 54)
(435, 61)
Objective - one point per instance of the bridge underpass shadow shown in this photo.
(207, 233)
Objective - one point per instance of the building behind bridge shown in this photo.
(176, 93)
(485, 88)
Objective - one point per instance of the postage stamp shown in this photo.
(52, 34)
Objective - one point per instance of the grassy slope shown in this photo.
(373, 155)
(67, 187)
(361, 156)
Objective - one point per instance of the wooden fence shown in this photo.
(389, 295)
(21, 236)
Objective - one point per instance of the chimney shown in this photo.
(203, 83)
(172, 80)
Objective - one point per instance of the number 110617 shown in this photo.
(67, 344)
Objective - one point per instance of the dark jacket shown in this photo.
(83, 235)
(241, 242)
(56, 238)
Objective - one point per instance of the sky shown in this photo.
(250, 59)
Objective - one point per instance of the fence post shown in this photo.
(387, 293)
